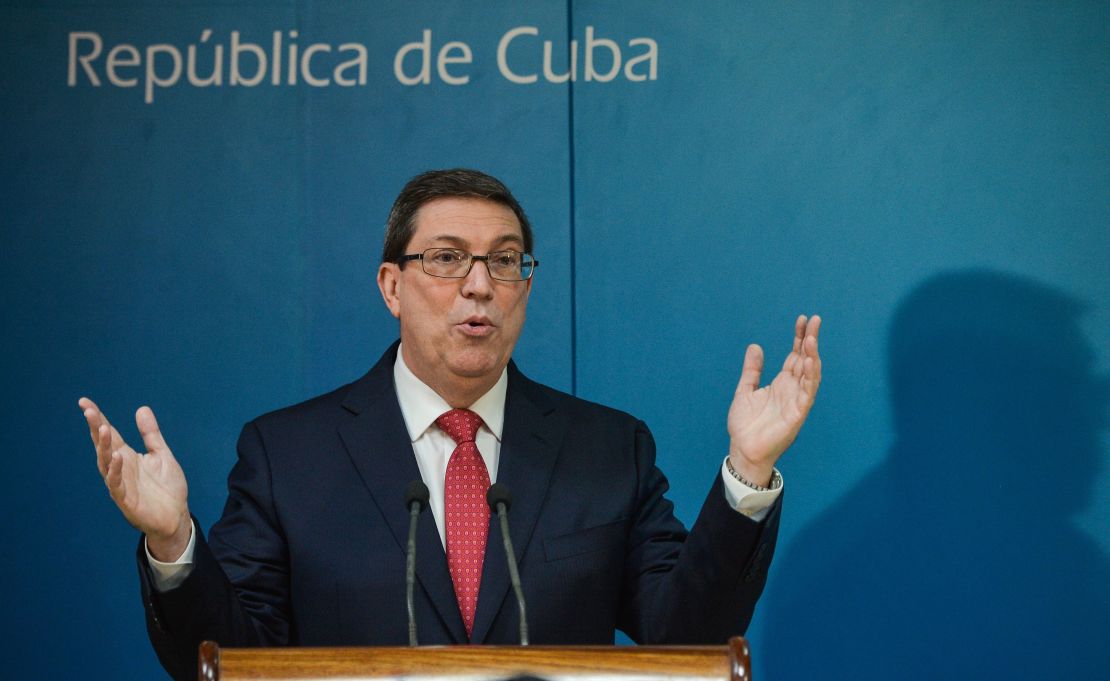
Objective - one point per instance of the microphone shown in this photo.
(499, 500)
(416, 499)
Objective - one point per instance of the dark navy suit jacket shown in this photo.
(310, 548)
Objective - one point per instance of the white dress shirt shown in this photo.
(420, 407)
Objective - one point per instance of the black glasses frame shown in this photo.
(484, 258)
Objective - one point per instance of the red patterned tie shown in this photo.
(467, 513)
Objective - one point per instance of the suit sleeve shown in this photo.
(238, 591)
(695, 588)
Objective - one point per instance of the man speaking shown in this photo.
(310, 549)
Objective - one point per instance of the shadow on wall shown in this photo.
(956, 557)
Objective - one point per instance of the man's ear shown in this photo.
(389, 283)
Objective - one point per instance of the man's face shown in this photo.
(458, 334)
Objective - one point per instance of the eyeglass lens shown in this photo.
(453, 263)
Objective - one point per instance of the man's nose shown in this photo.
(478, 281)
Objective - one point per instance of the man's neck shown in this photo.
(421, 405)
(462, 396)
(459, 392)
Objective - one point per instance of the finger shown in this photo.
(811, 374)
(813, 327)
(753, 369)
(114, 478)
(809, 345)
(148, 428)
(96, 419)
(103, 449)
(799, 331)
(93, 417)
(107, 441)
(790, 363)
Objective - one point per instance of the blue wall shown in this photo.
(930, 177)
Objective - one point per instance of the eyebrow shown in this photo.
(459, 242)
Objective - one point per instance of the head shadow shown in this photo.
(959, 550)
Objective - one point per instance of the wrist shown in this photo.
(167, 548)
(756, 476)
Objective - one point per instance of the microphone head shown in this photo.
(498, 494)
(417, 492)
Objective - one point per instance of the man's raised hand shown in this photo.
(149, 489)
(763, 422)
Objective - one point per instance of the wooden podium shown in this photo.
(729, 662)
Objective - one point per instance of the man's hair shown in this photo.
(440, 184)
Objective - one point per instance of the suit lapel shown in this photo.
(530, 443)
(379, 447)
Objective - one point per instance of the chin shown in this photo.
(475, 363)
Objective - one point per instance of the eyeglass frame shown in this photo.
(484, 258)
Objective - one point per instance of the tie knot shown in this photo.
(461, 424)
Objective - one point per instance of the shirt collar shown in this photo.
(421, 406)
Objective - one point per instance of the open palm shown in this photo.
(763, 422)
(150, 489)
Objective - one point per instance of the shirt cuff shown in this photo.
(751, 503)
(168, 576)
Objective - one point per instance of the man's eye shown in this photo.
(506, 259)
(446, 257)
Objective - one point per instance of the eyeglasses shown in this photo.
(454, 263)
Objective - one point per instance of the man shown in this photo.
(310, 548)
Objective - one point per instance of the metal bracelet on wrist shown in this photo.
(776, 479)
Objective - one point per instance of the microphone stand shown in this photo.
(499, 499)
(416, 498)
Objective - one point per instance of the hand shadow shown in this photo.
(956, 557)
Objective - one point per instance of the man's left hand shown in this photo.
(763, 422)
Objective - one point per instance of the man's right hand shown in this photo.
(149, 489)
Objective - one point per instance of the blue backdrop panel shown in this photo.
(931, 179)
(833, 158)
(213, 254)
